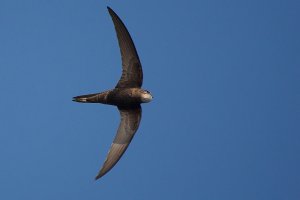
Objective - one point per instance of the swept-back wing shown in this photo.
(132, 73)
(130, 120)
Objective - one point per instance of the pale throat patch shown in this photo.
(146, 98)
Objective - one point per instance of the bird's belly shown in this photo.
(122, 98)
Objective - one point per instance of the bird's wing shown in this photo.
(132, 73)
(130, 120)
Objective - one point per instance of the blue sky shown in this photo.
(224, 123)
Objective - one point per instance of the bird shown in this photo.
(127, 96)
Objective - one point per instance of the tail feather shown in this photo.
(89, 98)
(79, 99)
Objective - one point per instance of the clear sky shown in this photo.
(224, 123)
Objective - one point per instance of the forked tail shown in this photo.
(90, 98)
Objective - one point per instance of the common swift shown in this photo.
(127, 96)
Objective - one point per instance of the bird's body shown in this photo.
(117, 97)
(127, 96)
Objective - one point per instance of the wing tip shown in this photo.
(110, 10)
(103, 171)
(98, 176)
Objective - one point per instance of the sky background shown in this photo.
(224, 122)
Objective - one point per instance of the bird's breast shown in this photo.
(123, 97)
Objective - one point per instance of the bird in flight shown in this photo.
(127, 96)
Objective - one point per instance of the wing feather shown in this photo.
(130, 120)
(132, 73)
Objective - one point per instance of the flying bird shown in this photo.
(127, 96)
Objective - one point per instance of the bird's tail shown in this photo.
(88, 98)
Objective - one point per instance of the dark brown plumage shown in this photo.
(127, 96)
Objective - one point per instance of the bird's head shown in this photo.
(146, 96)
